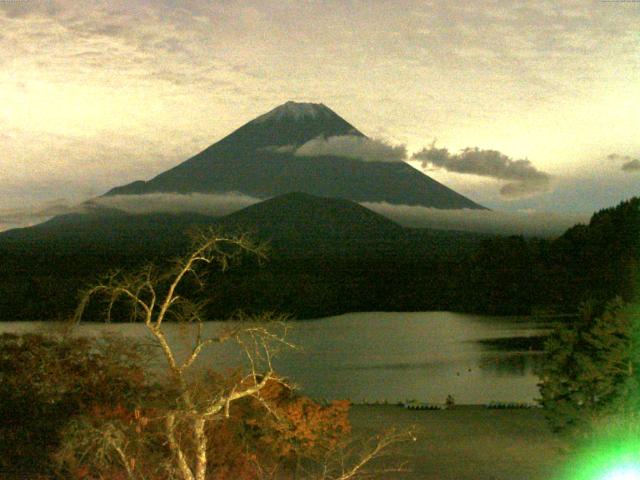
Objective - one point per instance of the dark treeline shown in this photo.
(310, 277)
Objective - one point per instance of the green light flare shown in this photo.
(612, 460)
(612, 450)
(624, 472)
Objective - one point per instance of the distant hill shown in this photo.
(107, 230)
(334, 245)
(302, 216)
(259, 160)
(330, 256)
(286, 219)
(295, 224)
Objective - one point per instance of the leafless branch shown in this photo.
(381, 446)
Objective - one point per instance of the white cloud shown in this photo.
(33, 214)
(214, 204)
(352, 146)
(524, 188)
(528, 223)
(280, 148)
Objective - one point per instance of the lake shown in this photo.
(382, 356)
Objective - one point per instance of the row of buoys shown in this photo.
(415, 405)
(424, 406)
(376, 402)
(511, 405)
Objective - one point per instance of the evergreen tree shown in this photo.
(591, 367)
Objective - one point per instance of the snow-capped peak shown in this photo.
(295, 111)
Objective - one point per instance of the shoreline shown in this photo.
(488, 406)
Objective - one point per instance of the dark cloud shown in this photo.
(528, 223)
(351, 146)
(630, 164)
(523, 178)
(23, 8)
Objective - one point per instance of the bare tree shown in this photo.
(153, 298)
(358, 459)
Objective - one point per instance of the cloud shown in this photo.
(207, 204)
(630, 164)
(16, 9)
(214, 204)
(279, 148)
(351, 146)
(528, 188)
(16, 215)
(528, 223)
(165, 70)
(78, 168)
(33, 214)
(523, 178)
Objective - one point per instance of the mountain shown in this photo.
(328, 253)
(259, 159)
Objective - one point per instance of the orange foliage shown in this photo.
(293, 427)
(268, 433)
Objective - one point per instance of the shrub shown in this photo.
(46, 380)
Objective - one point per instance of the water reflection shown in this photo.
(531, 343)
(395, 366)
(511, 363)
(385, 356)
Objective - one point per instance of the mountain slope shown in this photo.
(258, 159)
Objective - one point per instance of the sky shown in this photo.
(527, 106)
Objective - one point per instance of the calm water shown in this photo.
(381, 356)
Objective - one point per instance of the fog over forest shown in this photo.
(528, 223)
